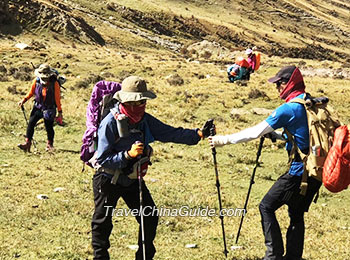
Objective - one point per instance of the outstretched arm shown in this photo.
(166, 133)
(242, 136)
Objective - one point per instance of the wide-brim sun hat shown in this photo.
(134, 88)
(44, 71)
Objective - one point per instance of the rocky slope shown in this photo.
(298, 29)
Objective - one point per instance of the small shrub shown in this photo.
(12, 70)
(82, 84)
(184, 51)
(175, 80)
(206, 54)
(255, 93)
(3, 69)
(94, 78)
(12, 89)
(3, 78)
(23, 76)
(107, 74)
(124, 74)
(25, 68)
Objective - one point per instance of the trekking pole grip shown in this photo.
(212, 131)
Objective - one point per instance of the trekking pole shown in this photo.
(250, 185)
(24, 113)
(139, 177)
(213, 150)
(25, 117)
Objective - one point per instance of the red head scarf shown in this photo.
(134, 113)
(295, 86)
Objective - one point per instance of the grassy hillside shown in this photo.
(59, 227)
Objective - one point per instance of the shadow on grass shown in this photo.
(68, 151)
(250, 258)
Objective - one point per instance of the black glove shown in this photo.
(271, 136)
(274, 136)
(208, 129)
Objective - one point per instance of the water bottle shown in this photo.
(316, 150)
(122, 124)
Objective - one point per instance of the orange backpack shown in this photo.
(336, 169)
(242, 62)
(257, 64)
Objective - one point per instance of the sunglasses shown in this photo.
(135, 103)
(280, 82)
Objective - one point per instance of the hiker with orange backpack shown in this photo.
(122, 159)
(251, 58)
(287, 189)
(46, 90)
(239, 70)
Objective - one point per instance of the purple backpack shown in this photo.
(95, 112)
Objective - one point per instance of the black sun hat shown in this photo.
(284, 74)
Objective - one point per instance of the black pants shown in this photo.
(286, 191)
(35, 116)
(107, 194)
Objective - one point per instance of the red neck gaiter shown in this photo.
(134, 113)
(295, 86)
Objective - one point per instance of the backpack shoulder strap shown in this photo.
(298, 100)
(295, 149)
(306, 100)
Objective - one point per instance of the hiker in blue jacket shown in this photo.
(236, 72)
(286, 190)
(239, 70)
(122, 150)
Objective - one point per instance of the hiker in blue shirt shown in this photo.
(124, 151)
(286, 190)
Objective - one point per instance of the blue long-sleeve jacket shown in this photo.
(241, 72)
(111, 149)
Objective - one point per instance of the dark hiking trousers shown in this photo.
(286, 191)
(35, 116)
(107, 194)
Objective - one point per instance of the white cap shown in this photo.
(248, 51)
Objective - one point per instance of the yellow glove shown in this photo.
(136, 150)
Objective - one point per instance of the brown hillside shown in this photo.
(298, 29)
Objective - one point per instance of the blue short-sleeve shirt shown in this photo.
(292, 116)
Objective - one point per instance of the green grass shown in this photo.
(59, 227)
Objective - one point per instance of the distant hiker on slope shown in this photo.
(123, 155)
(286, 190)
(251, 58)
(46, 90)
(239, 70)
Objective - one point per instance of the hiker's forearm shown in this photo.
(244, 135)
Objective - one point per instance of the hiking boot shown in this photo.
(26, 146)
(49, 146)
